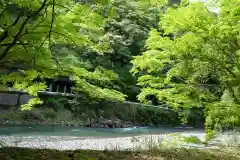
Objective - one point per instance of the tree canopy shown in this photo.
(185, 54)
(127, 30)
(30, 31)
(199, 64)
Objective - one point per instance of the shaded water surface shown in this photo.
(41, 130)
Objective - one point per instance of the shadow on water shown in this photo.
(43, 130)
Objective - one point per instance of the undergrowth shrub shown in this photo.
(63, 115)
(58, 103)
(67, 109)
(38, 114)
(192, 139)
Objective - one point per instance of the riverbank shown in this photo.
(82, 143)
(60, 112)
(157, 154)
(140, 142)
(44, 116)
(65, 117)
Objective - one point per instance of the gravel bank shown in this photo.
(122, 143)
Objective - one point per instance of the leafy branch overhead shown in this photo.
(29, 32)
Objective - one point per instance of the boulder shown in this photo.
(117, 123)
(128, 124)
(106, 122)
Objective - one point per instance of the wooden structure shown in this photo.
(60, 85)
(56, 87)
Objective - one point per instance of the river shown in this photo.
(70, 138)
(44, 130)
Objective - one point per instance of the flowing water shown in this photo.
(41, 130)
(70, 138)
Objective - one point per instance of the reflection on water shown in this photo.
(40, 130)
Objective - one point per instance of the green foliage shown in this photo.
(31, 30)
(163, 153)
(127, 31)
(191, 55)
(30, 103)
(42, 115)
(57, 103)
(192, 139)
(32, 116)
(198, 65)
(135, 113)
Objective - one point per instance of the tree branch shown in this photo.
(20, 43)
(66, 8)
(4, 35)
(52, 21)
(16, 37)
(23, 45)
(35, 54)
(43, 19)
(50, 34)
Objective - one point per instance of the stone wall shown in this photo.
(13, 99)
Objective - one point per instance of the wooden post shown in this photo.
(65, 88)
(50, 87)
(18, 99)
(57, 88)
